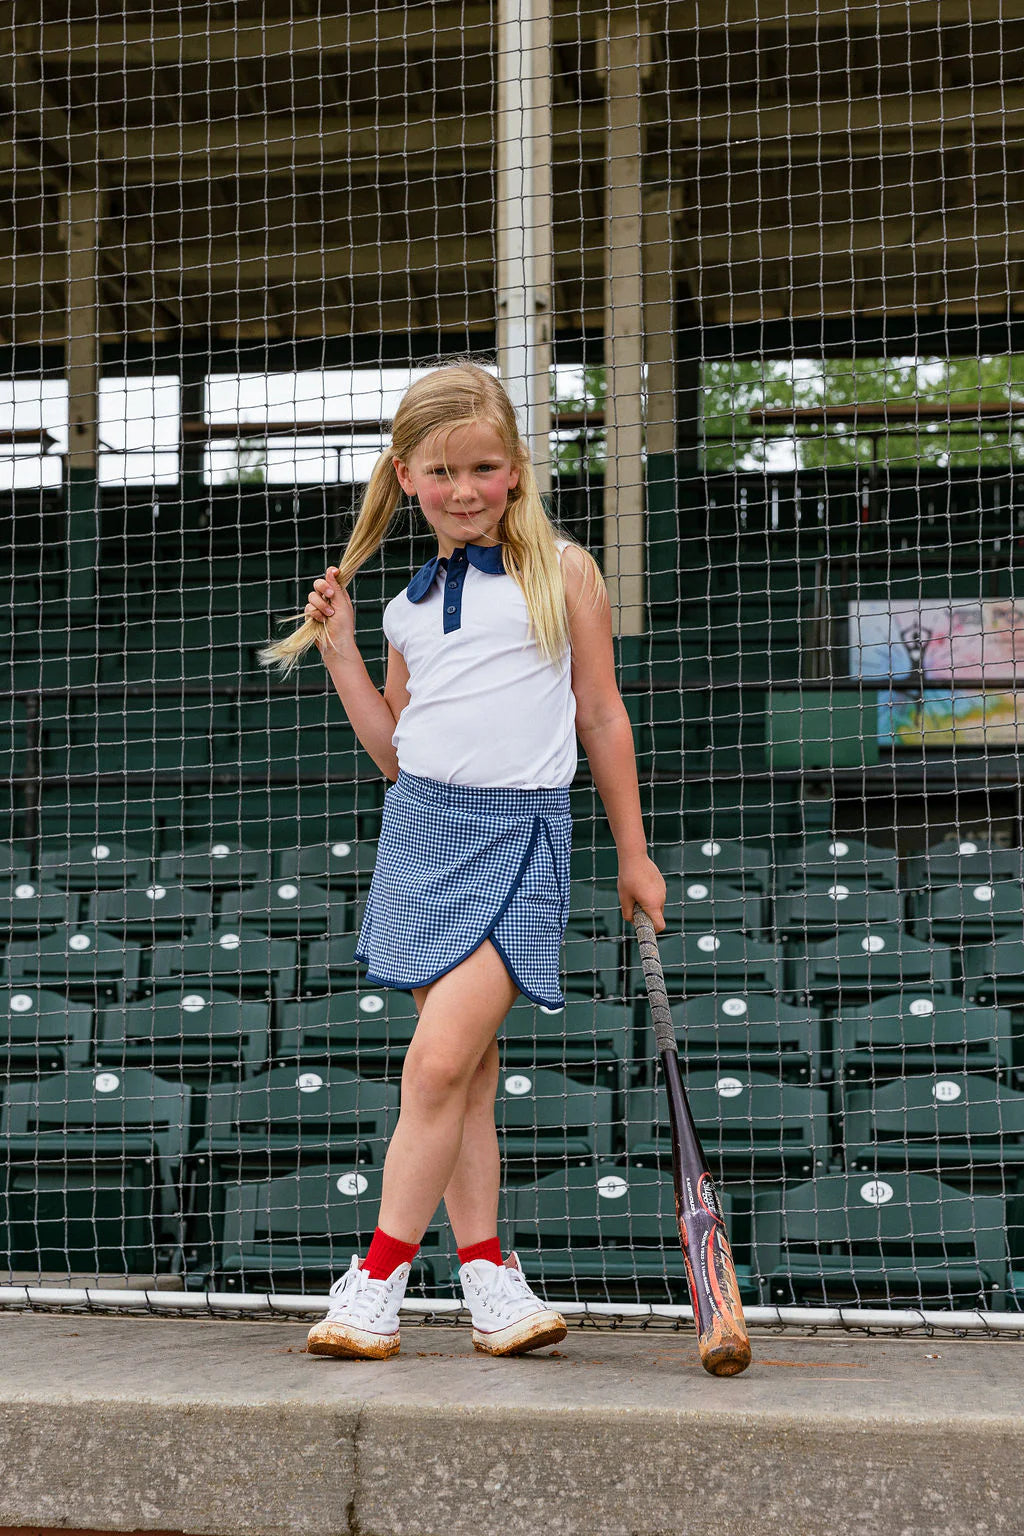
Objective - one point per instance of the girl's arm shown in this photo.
(373, 717)
(606, 734)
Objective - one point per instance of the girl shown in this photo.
(499, 655)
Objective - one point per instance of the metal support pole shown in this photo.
(624, 527)
(82, 219)
(524, 220)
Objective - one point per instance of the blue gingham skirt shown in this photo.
(457, 864)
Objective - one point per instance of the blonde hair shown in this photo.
(457, 395)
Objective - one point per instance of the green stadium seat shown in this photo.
(825, 728)
(741, 1033)
(15, 860)
(906, 1033)
(214, 637)
(661, 732)
(593, 863)
(955, 1125)
(192, 1033)
(607, 1233)
(283, 1121)
(826, 907)
(165, 669)
(752, 1125)
(288, 907)
(88, 809)
(594, 908)
(91, 1164)
(96, 864)
(291, 1116)
(709, 904)
(86, 963)
(215, 861)
(13, 739)
(544, 1118)
(33, 669)
(42, 1031)
(695, 963)
(119, 740)
(733, 862)
(590, 966)
(128, 716)
(733, 732)
(365, 1029)
(835, 860)
(150, 912)
(588, 1039)
(344, 865)
(859, 963)
(297, 1233)
(994, 973)
(963, 861)
(971, 914)
(239, 960)
(30, 906)
(303, 737)
(332, 963)
(898, 1240)
(191, 649)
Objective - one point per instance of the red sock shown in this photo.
(489, 1249)
(385, 1254)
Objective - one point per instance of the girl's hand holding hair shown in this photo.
(640, 880)
(333, 608)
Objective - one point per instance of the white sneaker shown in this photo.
(508, 1319)
(362, 1321)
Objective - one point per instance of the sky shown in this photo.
(138, 427)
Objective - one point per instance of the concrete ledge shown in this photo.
(229, 1429)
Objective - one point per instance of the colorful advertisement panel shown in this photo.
(954, 640)
(940, 718)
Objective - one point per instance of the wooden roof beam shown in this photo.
(469, 28)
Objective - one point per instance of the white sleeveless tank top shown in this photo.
(485, 706)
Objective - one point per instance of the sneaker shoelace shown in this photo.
(358, 1297)
(511, 1296)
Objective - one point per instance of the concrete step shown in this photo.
(229, 1429)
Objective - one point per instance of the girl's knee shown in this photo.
(435, 1077)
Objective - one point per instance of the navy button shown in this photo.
(452, 585)
(449, 610)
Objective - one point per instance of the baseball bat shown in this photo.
(717, 1310)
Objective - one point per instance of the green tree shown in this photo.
(579, 451)
(731, 389)
(250, 466)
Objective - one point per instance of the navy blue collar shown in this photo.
(484, 557)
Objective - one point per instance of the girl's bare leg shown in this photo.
(471, 1198)
(459, 1019)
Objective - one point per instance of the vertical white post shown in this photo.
(659, 323)
(524, 220)
(624, 529)
(82, 230)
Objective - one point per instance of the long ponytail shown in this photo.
(378, 507)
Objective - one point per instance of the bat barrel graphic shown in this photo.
(718, 1312)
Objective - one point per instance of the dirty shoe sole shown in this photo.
(350, 1343)
(518, 1338)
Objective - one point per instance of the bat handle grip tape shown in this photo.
(654, 976)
